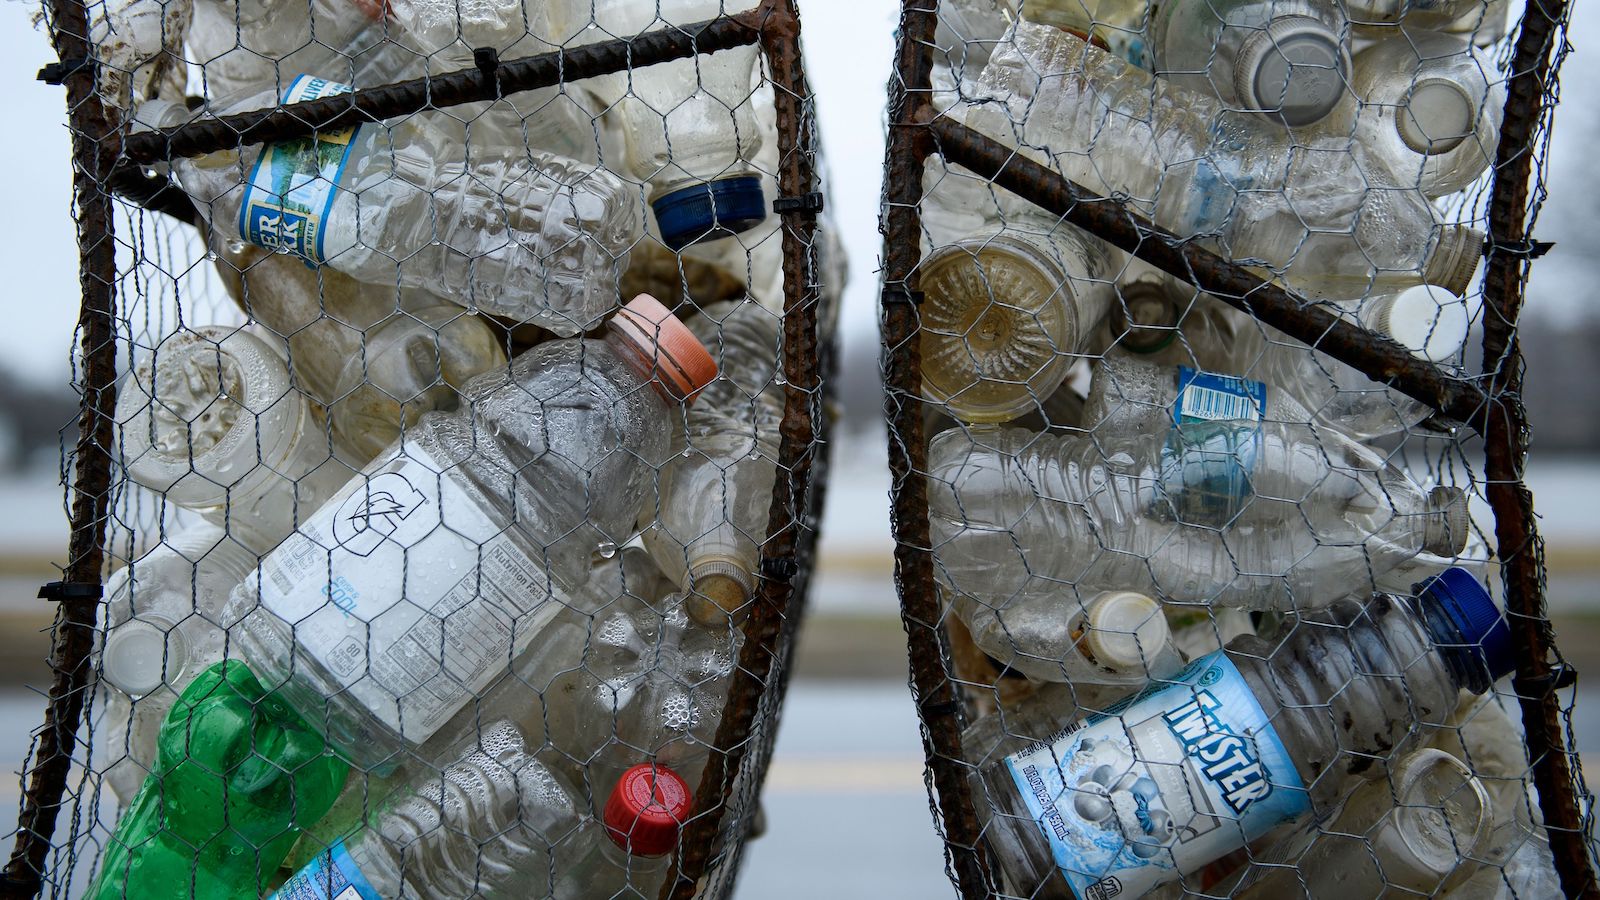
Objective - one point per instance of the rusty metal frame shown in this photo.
(1489, 404)
(109, 161)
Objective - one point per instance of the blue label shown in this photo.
(1182, 775)
(293, 185)
(331, 876)
(1205, 472)
(1209, 397)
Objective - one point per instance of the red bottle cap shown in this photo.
(646, 809)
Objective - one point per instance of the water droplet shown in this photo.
(236, 247)
(212, 255)
(148, 172)
(606, 550)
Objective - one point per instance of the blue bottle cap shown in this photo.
(1480, 628)
(705, 212)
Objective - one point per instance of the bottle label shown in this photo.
(1160, 785)
(406, 593)
(1209, 397)
(292, 187)
(333, 875)
(1212, 448)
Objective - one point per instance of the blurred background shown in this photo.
(846, 809)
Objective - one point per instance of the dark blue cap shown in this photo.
(1480, 633)
(708, 211)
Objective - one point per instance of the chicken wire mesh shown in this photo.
(1206, 503)
(451, 448)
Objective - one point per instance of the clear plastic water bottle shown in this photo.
(1421, 829)
(1430, 108)
(1226, 511)
(1286, 58)
(1377, 18)
(375, 358)
(244, 48)
(529, 235)
(716, 493)
(1006, 312)
(164, 625)
(414, 588)
(967, 32)
(642, 818)
(489, 824)
(1157, 318)
(690, 126)
(1114, 637)
(138, 46)
(1305, 212)
(209, 420)
(1265, 733)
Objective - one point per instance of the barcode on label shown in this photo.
(1207, 397)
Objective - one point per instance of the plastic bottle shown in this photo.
(1430, 108)
(1302, 212)
(415, 587)
(967, 32)
(1419, 830)
(260, 45)
(1114, 637)
(238, 775)
(1155, 317)
(1285, 58)
(138, 46)
(488, 825)
(373, 357)
(529, 235)
(210, 420)
(1005, 312)
(1378, 18)
(1244, 740)
(1119, 26)
(164, 626)
(716, 493)
(1259, 515)
(689, 124)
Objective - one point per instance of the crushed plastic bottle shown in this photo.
(209, 419)
(138, 46)
(1226, 512)
(238, 775)
(716, 493)
(414, 588)
(1119, 26)
(1304, 212)
(1265, 733)
(689, 124)
(529, 235)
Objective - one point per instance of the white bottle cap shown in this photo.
(135, 654)
(1296, 67)
(1437, 116)
(1123, 630)
(1443, 815)
(210, 410)
(1429, 321)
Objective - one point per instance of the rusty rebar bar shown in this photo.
(935, 692)
(376, 104)
(1118, 224)
(788, 528)
(95, 147)
(1519, 546)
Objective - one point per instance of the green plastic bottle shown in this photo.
(238, 774)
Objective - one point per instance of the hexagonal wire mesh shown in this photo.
(1194, 554)
(423, 560)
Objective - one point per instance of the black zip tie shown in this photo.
(933, 709)
(1562, 675)
(487, 59)
(1521, 249)
(58, 72)
(778, 569)
(899, 296)
(70, 590)
(805, 203)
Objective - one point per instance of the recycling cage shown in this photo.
(114, 177)
(951, 681)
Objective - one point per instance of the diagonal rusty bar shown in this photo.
(440, 91)
(1517, 540)
(1118, 224)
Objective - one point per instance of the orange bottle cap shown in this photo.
(682, 365)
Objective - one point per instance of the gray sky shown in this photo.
(849, 48)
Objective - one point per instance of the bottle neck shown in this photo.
(642, 365)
